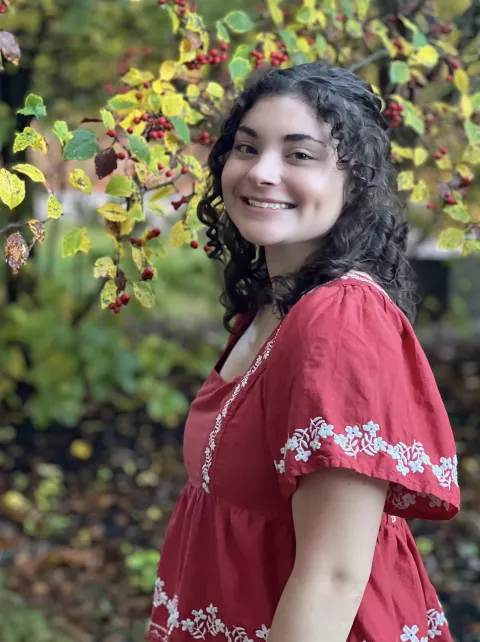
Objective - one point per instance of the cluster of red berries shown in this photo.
(206, 138)
(276, 57)
(449, 199)
(399, 45)
(454, 64)
(147, 274)
(213, 58)
(177, 204)
(151, 235)
(442, 152)
(392, 113)
(442, 28)
(121, 300)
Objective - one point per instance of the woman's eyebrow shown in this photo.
(289, 137)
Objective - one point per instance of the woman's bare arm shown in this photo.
(337, 515)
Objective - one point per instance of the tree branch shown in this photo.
(380, 54)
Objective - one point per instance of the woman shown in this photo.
(321, 427)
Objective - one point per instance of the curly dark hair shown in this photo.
(370, 234)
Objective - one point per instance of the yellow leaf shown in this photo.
(171, 142)
(215, 90)
(162, 192)
(139, 258)
(178, 235)
(193, 165)
(362, 9)
(37, 230)
(107, 118)
(451, 238)
(426, 56)
(136, 213)
(193, 91)
(187, 50)
(320, 18)
(401, 152)
(158, 208)
(420, 192)
(108, 294)
(24, 139)
(135, 77)
(54, 207)
(40, 144)
(420, 155)
(167, 69)
(275, 11)
(113, 212)
(144, 292)
(464, 171)
(471, 154)
(444, 163)
(466, 105)
(80, 180)
(142, 172)
(405, 181)
(104, 267)
(126, 227)
(172, 105)
(12, 189)
(76, 240)
(461, 81)
(129, 121)
(388, 44)
(32, 172)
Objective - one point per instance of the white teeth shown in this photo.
(270, 206)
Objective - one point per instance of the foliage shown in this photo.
(416, 60)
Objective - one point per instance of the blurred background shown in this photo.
(92, 405)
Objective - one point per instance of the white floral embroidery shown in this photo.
(436, 619)
(204, 622)
(218, 423)
(410, 459)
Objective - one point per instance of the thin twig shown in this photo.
(380, 54)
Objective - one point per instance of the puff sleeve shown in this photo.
(348, 385)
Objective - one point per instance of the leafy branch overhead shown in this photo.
(418, 62)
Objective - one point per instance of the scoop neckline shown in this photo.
(238, 378)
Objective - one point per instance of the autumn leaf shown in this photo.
(12, 189)
(16, 251)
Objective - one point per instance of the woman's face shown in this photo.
(280, 184)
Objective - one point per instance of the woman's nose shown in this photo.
(267, 170)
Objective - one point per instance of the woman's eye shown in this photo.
(301, 154)
(241, 148)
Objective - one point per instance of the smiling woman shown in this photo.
(320, 430)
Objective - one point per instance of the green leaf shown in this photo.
(61, 131)
(136, 213)
(348, 9)
(399, 72)
(419, 39)
(239, 68)
(135, 77)
(82, 146)
(238, 21)
(143, 290)
(304, 15)
(476, 101)
(33, 107)
(320, 43)
(413, 120)
(473, 132)
(458, 212)
(12, 189)
(75, 241)
(181, 127)
(139, 148)
(119, 185)
(354, 28)
(450, 238)
(222, 33)
(299, 58)
(118, 102)
(470, 246)
(107, 118)
(290, 39)
(243, 51)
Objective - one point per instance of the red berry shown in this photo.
(121, 155)
(448, 194)
(443, 150)
(161, 2)
(161, 134)
(194, 244)
(159, 166)
(125, 298)
(136, 120)
(162, 120)
(449, 77)
(153, 233)
(147, 84)
(466, 180)
(144, 117)
(147, 274)
(455, 64)
(139, 95)
(205, 134)
(206, 248)
(223, 57)
(184, 170)
(169, 173)
(134, 240)
(214, 52)
(311, 41)
(130, 130)
(438, 155)
(154, 135)
(224, 46)
(111, 133)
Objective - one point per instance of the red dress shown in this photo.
(341, 382)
